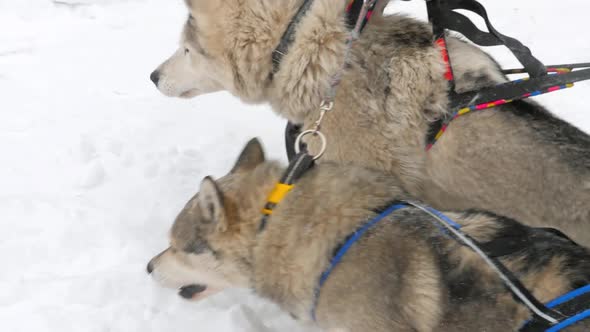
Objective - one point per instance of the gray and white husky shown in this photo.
(404, 274)
(516, 160)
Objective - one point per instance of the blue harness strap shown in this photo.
(572, 307)
(354, 237)
(569, 296)
(569, 321)
(575, 304)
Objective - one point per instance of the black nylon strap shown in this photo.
(521, 288)
(507, 91)
(297, 167)
(516, 89)
(288, 36)
(300, 164)
(575, 306)
(291, 133)
(458, 22)
(353, 14)
(436, 18)
(570, 66)
(569, 308)
(506, 245)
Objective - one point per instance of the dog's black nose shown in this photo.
(155, 77)
(150, 268)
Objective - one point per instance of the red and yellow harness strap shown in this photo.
(276, 196)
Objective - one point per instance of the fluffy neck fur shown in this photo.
(315, 54)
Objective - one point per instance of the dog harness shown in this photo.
(557, 315)
(343, 249)
(443, 17)
(575, 304)
(565, 311)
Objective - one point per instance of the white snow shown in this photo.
(96, 163)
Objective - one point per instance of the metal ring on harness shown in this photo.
(315, 133)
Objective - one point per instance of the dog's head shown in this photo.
(212, 237)
(222, 47)
(194, 67)
(228, 45)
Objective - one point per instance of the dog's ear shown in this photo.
(211, 203)
(190, 4)
(251, 156)
(202, 6)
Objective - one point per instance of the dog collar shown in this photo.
(297, 167)
(353, 11)
(289, 36)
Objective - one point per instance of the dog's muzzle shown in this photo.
(187, 292)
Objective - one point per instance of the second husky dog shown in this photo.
(402, 275)
(517, 160)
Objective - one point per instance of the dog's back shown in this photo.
(413, 277)
(547, 262)
(405, 274)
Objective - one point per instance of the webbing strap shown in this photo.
(514, 89)
(451, 20)
(354, 10)
(436, 18)
(575, 305)
(541, 313)
(551, 68)
(512, 283)
(343, 249)
(300, 164)
(288, 36)
(505, 93)
(291, 133)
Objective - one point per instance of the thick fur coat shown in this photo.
(403, 275)
(516, 160)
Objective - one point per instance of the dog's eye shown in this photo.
(186, 51)
(197, 248)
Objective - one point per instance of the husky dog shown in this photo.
(516, 160)
(402, 275)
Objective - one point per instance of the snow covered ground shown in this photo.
(95, 163)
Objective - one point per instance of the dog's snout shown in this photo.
(150, 268)
(155, 77)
